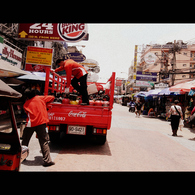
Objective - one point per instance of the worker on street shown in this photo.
(36, 110)
(80, 75)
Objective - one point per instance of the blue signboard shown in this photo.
(146, 76)
(77, 57)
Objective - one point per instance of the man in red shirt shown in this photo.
(80, 76)
(36, 110)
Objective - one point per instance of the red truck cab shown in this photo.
(91, 120)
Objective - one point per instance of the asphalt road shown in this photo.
(133, 144)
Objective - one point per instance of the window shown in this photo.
(184, 65)
(184, 76)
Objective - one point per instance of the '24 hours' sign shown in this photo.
(69, 32)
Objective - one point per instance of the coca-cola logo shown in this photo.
(77, 114)
(72, 31)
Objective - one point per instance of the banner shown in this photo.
(69, 32)
(146, 76)
(10, 55)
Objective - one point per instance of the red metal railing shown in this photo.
(58, 83)
(54, 82)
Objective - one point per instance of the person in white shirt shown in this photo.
(176, 113)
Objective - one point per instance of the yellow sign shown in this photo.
(39, 55)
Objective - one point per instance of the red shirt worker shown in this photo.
(80, 76)
(35, 108)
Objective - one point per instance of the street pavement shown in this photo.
(133, 144)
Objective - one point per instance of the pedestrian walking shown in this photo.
(36, 110)
(79, 82)
(176, 113)
(138, 107)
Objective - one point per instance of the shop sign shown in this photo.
(119, 82)
(146, 76)
(78, 57)
(10, 55)
(69, 32)
(144, 84)
(150, 58)
(38, 58)
(90, 63)
(161, 86)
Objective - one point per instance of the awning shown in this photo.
(141, 94)
(166, 91)
(192, 92)
(7, 91)
(183, 87)
(31, 77)
(7, 70)
(153, 92)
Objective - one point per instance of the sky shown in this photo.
(112, 45)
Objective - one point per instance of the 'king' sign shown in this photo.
(70, 32)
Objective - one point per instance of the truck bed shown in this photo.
(97, 116)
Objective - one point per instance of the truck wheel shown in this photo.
(54, 137)
(99, 139)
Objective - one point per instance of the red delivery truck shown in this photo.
(68, 116)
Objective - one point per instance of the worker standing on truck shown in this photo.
(36, 110)
(80, 75)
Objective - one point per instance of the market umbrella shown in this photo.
(153, 92)
(7, 91)
(165, 91)
(141, 94)
(192, 91)
(183, 87)
(7, 70)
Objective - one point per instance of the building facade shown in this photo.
(185, 61)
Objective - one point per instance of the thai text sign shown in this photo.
(39, 55)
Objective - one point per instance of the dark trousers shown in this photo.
(175, 123)
(82, 88)
(43, 138)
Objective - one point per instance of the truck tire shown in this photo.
(99, 139)
(54, 137)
